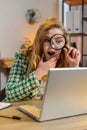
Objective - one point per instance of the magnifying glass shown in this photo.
(57, 41)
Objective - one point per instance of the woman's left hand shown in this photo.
(72, 56)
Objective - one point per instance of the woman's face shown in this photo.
(48, 51)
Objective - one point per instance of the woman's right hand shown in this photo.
(43, 67)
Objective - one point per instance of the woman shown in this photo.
(50, 49)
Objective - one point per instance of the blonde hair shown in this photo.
(34, 52)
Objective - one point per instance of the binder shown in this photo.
(69, 21)
(77, 21)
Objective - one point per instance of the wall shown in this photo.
(14, 27)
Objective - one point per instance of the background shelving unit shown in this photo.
(72, 3)
(75, 2)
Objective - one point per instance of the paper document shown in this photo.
(4, 105)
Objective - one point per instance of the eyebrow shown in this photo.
(47, 37)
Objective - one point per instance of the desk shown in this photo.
(5, 65)
(27, 123)
(7, 62)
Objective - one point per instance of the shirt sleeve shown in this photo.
(19, 86)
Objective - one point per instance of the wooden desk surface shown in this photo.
(27, 123)
(7, 63)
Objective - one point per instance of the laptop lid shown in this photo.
(65, 94)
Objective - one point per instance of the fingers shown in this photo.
(42, 57)
(52, 62)
(70, 51)
(72, 55)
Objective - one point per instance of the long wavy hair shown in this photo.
(34, 52)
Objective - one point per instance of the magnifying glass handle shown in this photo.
(66, 48)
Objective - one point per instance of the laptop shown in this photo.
(65, 95)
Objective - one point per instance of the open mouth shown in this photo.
(51, 53)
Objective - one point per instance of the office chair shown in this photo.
(2, 94)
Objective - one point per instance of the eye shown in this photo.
(58, 40)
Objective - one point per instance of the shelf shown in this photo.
(74, 2)
(83, 34)
(85, 19)
(84, 54)
(77, 34)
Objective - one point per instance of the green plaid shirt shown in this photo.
(19, 86)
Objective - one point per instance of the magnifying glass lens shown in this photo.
(57, 41)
